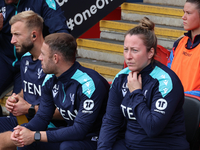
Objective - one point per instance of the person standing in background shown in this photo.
(184, 59)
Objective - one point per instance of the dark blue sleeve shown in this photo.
(112, 120)
(84, 121)
(154, 119)
(54, 18)
(45, 112)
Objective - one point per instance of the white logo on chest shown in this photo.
(39, 73)
(124, 89)
(72, 98)
(55, 90)
(26, 66)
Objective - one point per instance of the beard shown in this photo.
(49, 67)
(25, 48)
(47, 70)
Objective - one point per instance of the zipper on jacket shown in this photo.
(64, 93)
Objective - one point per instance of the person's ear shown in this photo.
(34, 35)
(55, 58)
(151, 53)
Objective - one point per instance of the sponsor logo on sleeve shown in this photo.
(88, 105)
(161, 105)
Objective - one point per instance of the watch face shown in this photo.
(37, 136)
(31, 111)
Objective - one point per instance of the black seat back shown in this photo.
(191, 109)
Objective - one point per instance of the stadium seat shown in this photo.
(162, 54)
(191, 109)
(2, 97)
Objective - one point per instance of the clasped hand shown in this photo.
(17, 105)
(134, 81)
(22, 136)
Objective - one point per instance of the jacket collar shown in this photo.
(69, 73)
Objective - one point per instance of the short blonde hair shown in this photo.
(30, 18)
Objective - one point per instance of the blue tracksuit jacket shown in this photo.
(154, 113)
(80, 94)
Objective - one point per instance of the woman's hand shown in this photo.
(134, 81)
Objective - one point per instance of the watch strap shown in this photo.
(32, 106)
(31, 110)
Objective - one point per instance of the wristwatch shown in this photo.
(31, 110)
(37, 136)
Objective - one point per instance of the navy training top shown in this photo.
(32, 76)
(154, 114)
(80, 94)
